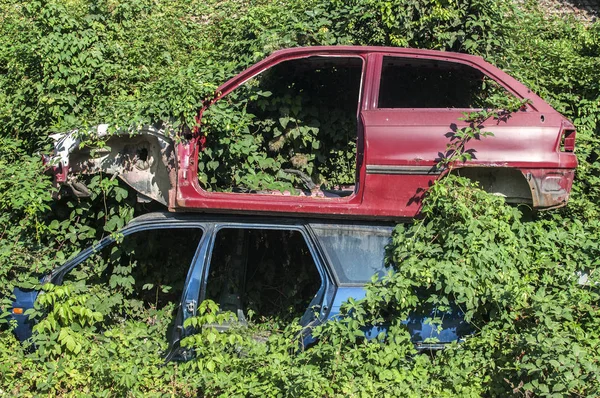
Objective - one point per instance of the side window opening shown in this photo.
(292, 129)
(426, 83)
(263, 276)
(147, 269)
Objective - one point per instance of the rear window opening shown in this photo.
(426, 83)
(262, 276)
(290, 130)
(357, 253)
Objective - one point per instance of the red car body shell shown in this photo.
(398, 148)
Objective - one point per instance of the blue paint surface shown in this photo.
(23, 299)
(453, 326)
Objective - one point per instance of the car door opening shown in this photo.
(292, 129)
(262, 275)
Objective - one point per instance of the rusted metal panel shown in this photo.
(144, 160)
(550, 188)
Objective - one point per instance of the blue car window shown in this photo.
(157, 258)
(356, 252)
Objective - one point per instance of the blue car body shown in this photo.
(24, 300)
(346, 254)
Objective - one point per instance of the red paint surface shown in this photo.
(400, 139)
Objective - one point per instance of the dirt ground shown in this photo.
(584, 10)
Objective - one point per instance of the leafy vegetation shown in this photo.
(295, 119)
(527, 284)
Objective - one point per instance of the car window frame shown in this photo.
(326, 291)
(58, 274)
(378, 71)
(325, 254)
(257, 69)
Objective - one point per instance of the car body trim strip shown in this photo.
(392, 169)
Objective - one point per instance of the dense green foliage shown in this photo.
(66, 64)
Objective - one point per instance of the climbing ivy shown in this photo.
(528, 284)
